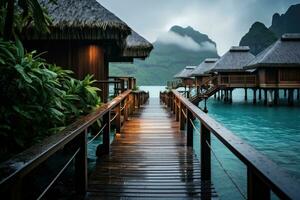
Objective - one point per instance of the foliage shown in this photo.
(15, 19)
(136, 88)
(37, 98)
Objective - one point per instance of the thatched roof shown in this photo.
(283, 53)
(81, 19)
(137, 46)
(204, 67)
(234, 60)
(185, 73)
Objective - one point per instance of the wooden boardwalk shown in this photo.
(148, 160)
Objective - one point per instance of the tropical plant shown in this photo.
(17, 15)
(37, 99)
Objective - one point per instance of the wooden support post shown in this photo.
(81, 164)
(181, 117)
(254, 96)
(259, 94)
(285, 91)
(266, 97)
(222, 94)
(205, 154)
(291, 97)
(246, 94)
(256, 188)
(230, 96)
(118, 118)
(190, 129)
(106, 134)
(218, 95)
(276, 97)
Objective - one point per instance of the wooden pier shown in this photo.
(149, 159)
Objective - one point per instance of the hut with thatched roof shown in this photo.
(230, 68)
(201, 71)
(278, 66)
(185, 76)
(84, 37)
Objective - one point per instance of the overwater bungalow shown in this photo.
(201, 72)
(278, 67)
(185, 75)
(185, 78)
(229, 68)
(85, 37)
(228, 75)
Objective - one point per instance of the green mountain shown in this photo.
(288, 22)
(173, 51)
(258, 38)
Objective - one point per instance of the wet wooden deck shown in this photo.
(149, 160)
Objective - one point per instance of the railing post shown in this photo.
(181, 117)
(126, 109)
(16, 190)
(176, 110)
(118, 118)
(256, 188)
(139, 99)
(190, 129)
(81, 164)
(106, 133)
(205, 154)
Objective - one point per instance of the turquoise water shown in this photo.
(273, 131)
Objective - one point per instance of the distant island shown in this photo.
(173, 50)
(260, 37)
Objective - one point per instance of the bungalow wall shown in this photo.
(201, 79)
(188, 82)
(285, 77)
(237, 79)
(81, 57)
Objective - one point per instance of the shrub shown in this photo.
(37, 99)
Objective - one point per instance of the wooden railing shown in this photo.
(238, 80)
(13, 172)
(263, 176)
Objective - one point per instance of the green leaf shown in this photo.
(20, 69)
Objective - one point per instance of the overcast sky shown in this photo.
(224, 21)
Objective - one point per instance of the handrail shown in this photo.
(19, 166)
(263, 174)
(49, 146)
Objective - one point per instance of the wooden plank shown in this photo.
(149, 159)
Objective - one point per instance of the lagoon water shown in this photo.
(273, 131)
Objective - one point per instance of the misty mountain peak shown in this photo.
(287, 22)
(192, 33)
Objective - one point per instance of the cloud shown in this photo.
(184, 42)
(224, 21)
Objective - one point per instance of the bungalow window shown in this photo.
(292, 75)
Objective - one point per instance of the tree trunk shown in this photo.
(9, 19)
